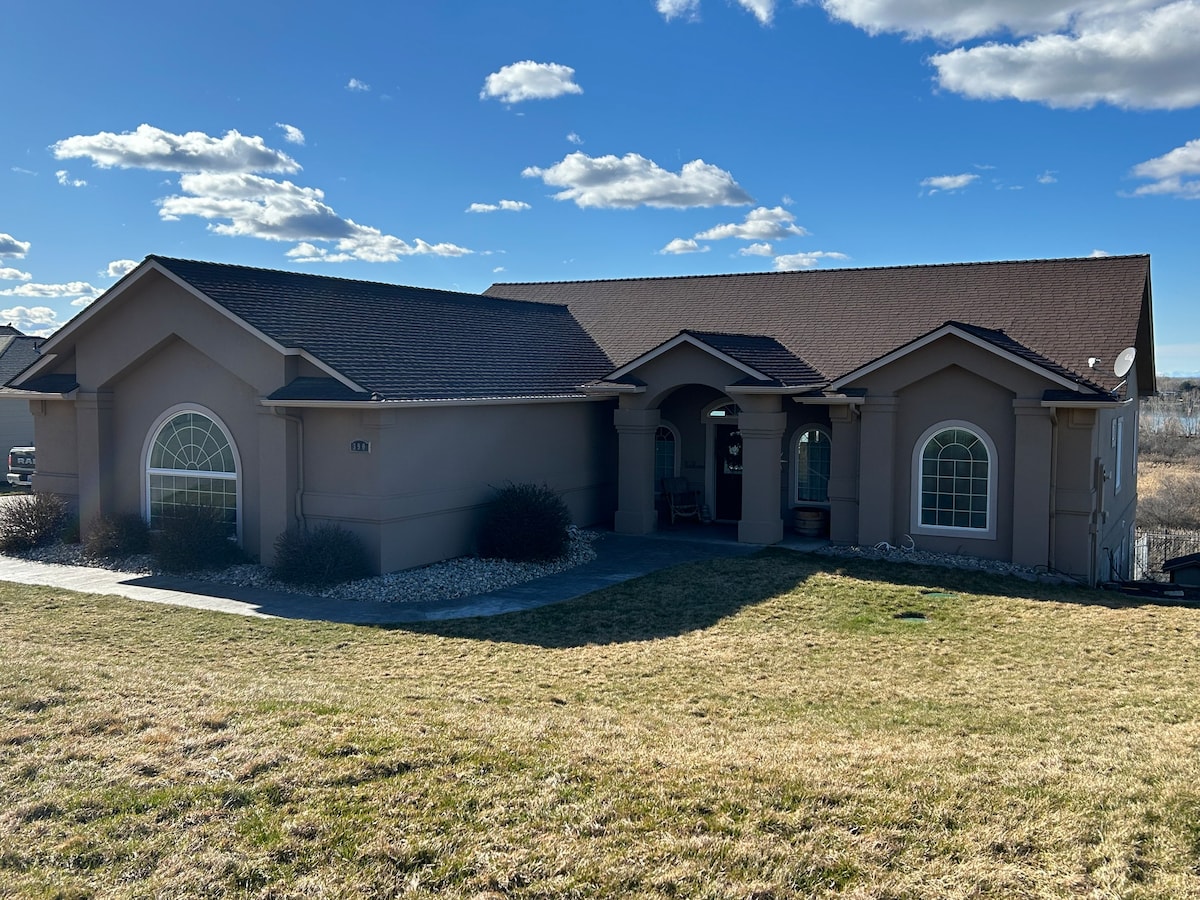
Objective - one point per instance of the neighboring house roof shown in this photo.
(1061, 312)
(17, 351)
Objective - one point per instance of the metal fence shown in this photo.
(1153, 548)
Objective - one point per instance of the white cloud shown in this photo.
(763, 10)
(52, 291)
(682, 245)
(11, 274)
(148, 147)
(757, 250)
(792, 261)
(955, 20)
(506, 205)
(574, 139)
(948, 182)
(64, 178)
(674, 9)
(218, 184)
(38, 321)
(1047, 177)
(21, 171)
(12, 248)
(529, 80)
(761, 224)
(626, 182)
(498, 270)
(1170, 172)
(1132, 59)
(1098, 254)
(291, 133)
(355, 85)
(119, 268)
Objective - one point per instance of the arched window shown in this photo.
(666, 454)
(811, 461)
(191, 463)
(955, 477)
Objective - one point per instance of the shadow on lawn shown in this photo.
(695, 596)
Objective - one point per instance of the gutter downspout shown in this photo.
(299, 500)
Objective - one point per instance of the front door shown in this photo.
(727, 454)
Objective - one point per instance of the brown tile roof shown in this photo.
(838, 320)
(405, 343)
(763, 354)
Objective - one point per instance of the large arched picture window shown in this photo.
(191, 463)
(811, 462)
(955, 475)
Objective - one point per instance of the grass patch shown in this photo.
(775, 726)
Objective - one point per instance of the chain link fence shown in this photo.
(1153, 548)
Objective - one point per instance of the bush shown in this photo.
(525, 523)
(114, 537)
(33, 520)
(327, 554)
(192, 539)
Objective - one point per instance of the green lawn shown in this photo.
(764, 727)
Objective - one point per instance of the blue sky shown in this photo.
(453, 145)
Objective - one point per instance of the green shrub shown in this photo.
(192, 539)
(114, 537)
(525, 523)
(33, 520)
(326, 554)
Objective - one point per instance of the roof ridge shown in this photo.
(802, 272)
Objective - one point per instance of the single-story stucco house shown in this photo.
(974, 408)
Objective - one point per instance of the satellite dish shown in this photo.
(1124, 362)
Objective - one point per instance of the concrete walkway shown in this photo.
(618, 558)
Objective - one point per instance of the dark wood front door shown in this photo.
(727, 455)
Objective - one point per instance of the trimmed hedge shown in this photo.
(525, 523)
(326, 554)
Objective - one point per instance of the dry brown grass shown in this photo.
(764, 727)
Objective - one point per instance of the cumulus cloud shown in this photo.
(52, 291)
(505, 205)
(954, 20)
(291, 133)
(65, 179)
(610, 182)
(761, 224)
(219, 183)
(7, 273)
(529, 80)
(1174, 173)
(948, 182)
(148, 147)
(763, 10)
(682, 245)
(757, 250)
(38, 321)
(793, 261)
(119, 268)
(12, 248)
(355, 85)
(1141, 59)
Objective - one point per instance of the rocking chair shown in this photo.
(683, 501)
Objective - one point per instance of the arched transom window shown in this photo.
(812, 465)
(191, 464)
(955, 475)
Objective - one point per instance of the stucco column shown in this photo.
(762, 437)
(97, 468)
(635, 470)
(1031, 483)
(877, 485)
(268, 506)
(843, 474)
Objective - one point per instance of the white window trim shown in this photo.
(148, 446)
(980, 534)
(800, 432)
(678, 452)
(1118, 442)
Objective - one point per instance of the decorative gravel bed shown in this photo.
(909, 554)
(462, 577)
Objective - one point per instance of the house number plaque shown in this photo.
(360, 446)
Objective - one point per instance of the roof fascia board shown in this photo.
(831, 400)
(940, 333)
(764, 389)
(397, 404)
(1086, 404)
(684, 338)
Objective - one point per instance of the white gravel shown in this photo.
(462, 577)
(910, 554)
